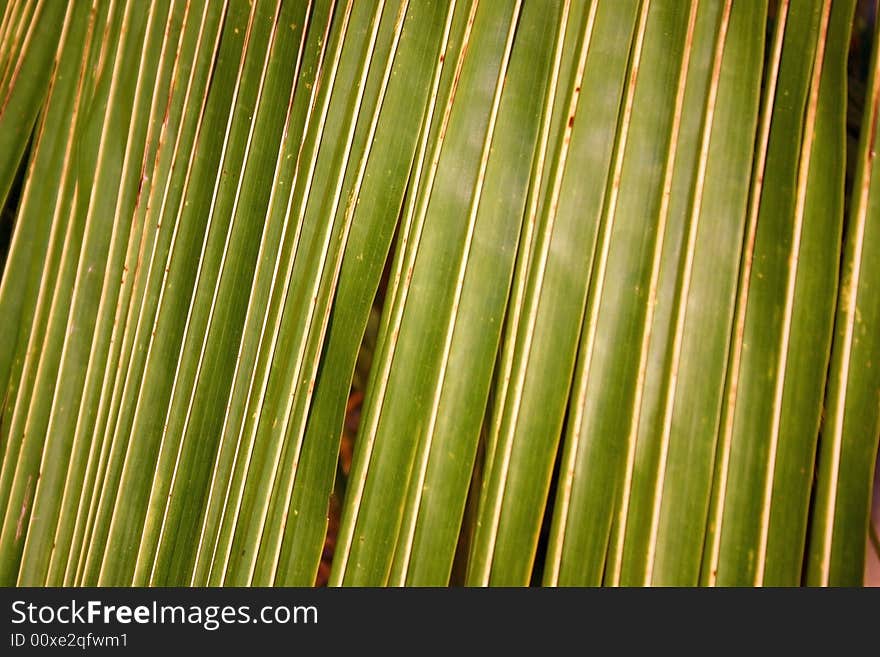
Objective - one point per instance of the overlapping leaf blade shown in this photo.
(532, 413)
(86, 242)
(771, 415)
(848, 443)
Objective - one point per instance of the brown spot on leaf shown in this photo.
(19, 527)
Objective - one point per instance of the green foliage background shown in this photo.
(398, 292)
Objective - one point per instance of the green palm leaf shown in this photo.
(600, 241)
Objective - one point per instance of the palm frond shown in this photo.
(602, 241)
